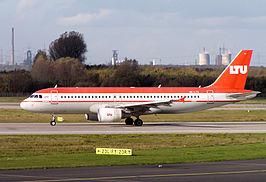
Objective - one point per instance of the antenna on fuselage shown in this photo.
(55, 86)
(159, 86)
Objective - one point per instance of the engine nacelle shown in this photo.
(91, 117)
(109, 114)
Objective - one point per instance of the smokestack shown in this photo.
(12, 48)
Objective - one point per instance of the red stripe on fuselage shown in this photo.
(134, 101)
(128, 90)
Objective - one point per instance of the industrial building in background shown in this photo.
(28, 60)
(223, 58)
(12, 48)
(204, 58)
(114, 58)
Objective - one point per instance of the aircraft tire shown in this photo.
(52, 123)
(138, 122)
(129, 121)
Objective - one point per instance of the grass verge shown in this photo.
(49, 151)
(21, 116)
(12, 99)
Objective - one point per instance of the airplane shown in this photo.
(110, 104)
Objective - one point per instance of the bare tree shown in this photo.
(70, 44)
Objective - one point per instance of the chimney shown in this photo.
(12, 48)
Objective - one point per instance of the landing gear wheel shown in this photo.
(138, 122)
(53, 122)
(129, 121)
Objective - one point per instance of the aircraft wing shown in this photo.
(146, 105)
(243, 95)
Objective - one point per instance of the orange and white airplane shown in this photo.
(115, 103)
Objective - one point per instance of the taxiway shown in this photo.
(121, 128)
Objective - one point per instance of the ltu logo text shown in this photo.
(238, 69)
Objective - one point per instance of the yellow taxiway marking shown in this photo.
(150, 176)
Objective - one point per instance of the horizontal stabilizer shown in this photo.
(243, 96)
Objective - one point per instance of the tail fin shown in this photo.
(235, 74)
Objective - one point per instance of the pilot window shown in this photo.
(36, 96)
(40, 96)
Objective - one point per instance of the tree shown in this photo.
(42, 71)
(68, 72)
(126, 75)
(70, 44)
(40, 53)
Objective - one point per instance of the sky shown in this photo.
(169, 31)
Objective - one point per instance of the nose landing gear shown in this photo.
(53, 122)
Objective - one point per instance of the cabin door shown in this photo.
(54, 97)
(210, 96)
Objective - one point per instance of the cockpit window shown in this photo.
(40, 96)
(36, 96)
(31, 96)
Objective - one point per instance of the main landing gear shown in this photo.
(53, 122)
(137, 122)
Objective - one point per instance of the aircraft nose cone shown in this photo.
(24, 105)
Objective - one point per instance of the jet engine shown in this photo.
(109, 114)
(91, 117)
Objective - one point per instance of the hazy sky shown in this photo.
(174, 31)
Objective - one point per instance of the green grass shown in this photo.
(12, 99)
(257, 100)
(46, 151)
(18, 116)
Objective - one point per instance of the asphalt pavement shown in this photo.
(245, 170)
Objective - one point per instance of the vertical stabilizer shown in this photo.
(235, 74)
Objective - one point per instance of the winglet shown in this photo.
(235, 74)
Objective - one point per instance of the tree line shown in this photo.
(64, 67)
(70, 72)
